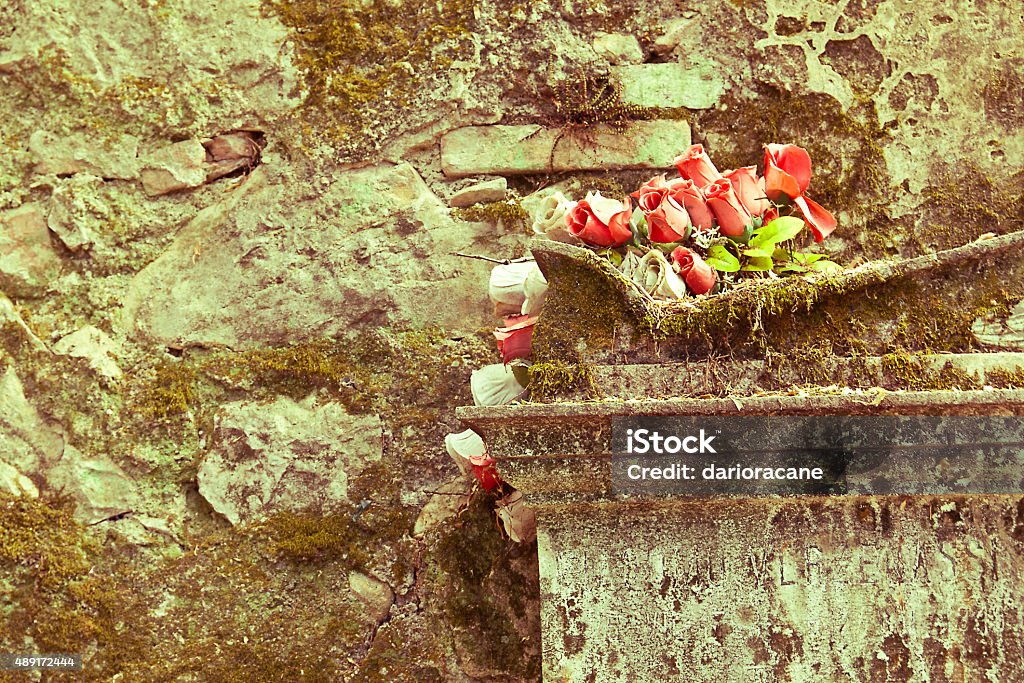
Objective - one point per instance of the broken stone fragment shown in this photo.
(180, 166)
(10, 314)
(670, 85)
(285, 456)
(230, 152)
(27, 260)
(487, 191)
(14, 483)
(94, 345)
(445, 504)
(77, 212)
(115, 158)
(507, 150)
(375, 594)
(98, 486)
(1005, 333)
(26, 441)
(618, 48)
(675, 31)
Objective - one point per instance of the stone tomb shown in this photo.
(858, 588)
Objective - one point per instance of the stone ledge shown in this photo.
(509, 150)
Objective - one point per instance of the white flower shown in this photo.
(465, 448)
(495, 385)
(656, 276)
(549, 216)
(536, 289)
(506, 286)
(518, 520)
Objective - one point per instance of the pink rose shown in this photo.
(599, 221)
(749, 189)
(787, 170)
(692, 199)
(699, 276)
(667, 220)
(733, 217)
(695, 165)
(516, 338)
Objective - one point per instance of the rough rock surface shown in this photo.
(214, 294)
(286, 456)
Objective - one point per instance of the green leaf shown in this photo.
(808, 258)
(722, 259)
(825, 266)
(793, 268)
(613, 256)
(521, 371)
(758, 253)
(779, 230)
(759, 264)
(781, 254)
(638, 223)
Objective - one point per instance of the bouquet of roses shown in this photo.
(697, 233)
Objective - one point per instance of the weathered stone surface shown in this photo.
(374, 593)
(1005, 333)
(443, 505)
(78, 152)
(27, 260)
(77, 215)
(528, 149)
(26, 441)
(9, 314)
(266, 265)
(180, 166)
(14, 483)
(487, 191)
(618, 48)
(675, 31)
(99, 488)
(671, 85)
(285, 456)
(94, 345)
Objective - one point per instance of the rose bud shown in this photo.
(667, 220)
(599, 221)
(515, 338)
(486, 472)
(787, 171)
(820, 221)
(667, 223)
(695, 165)
(749, 189)
(650, 194)
(733, 217)
(700, 278)
(690, 197)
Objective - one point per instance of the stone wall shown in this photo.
(224, 222)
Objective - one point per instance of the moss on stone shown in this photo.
(509, 213)
(553, 379)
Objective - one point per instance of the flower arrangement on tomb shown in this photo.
(701, 232)
(694, 235)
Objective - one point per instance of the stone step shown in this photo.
(727, 378)
(510, 150)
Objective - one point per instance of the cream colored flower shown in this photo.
(495, 385)
(506, 285)
(465, 448)
(656, 276)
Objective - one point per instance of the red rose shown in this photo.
(516, 338)
(667, 220)
(733, 217)
(599, 221)
(820, 221)
(699, 276)
(695, 165)
(749, 189)
(692, 199)
(787, 171)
